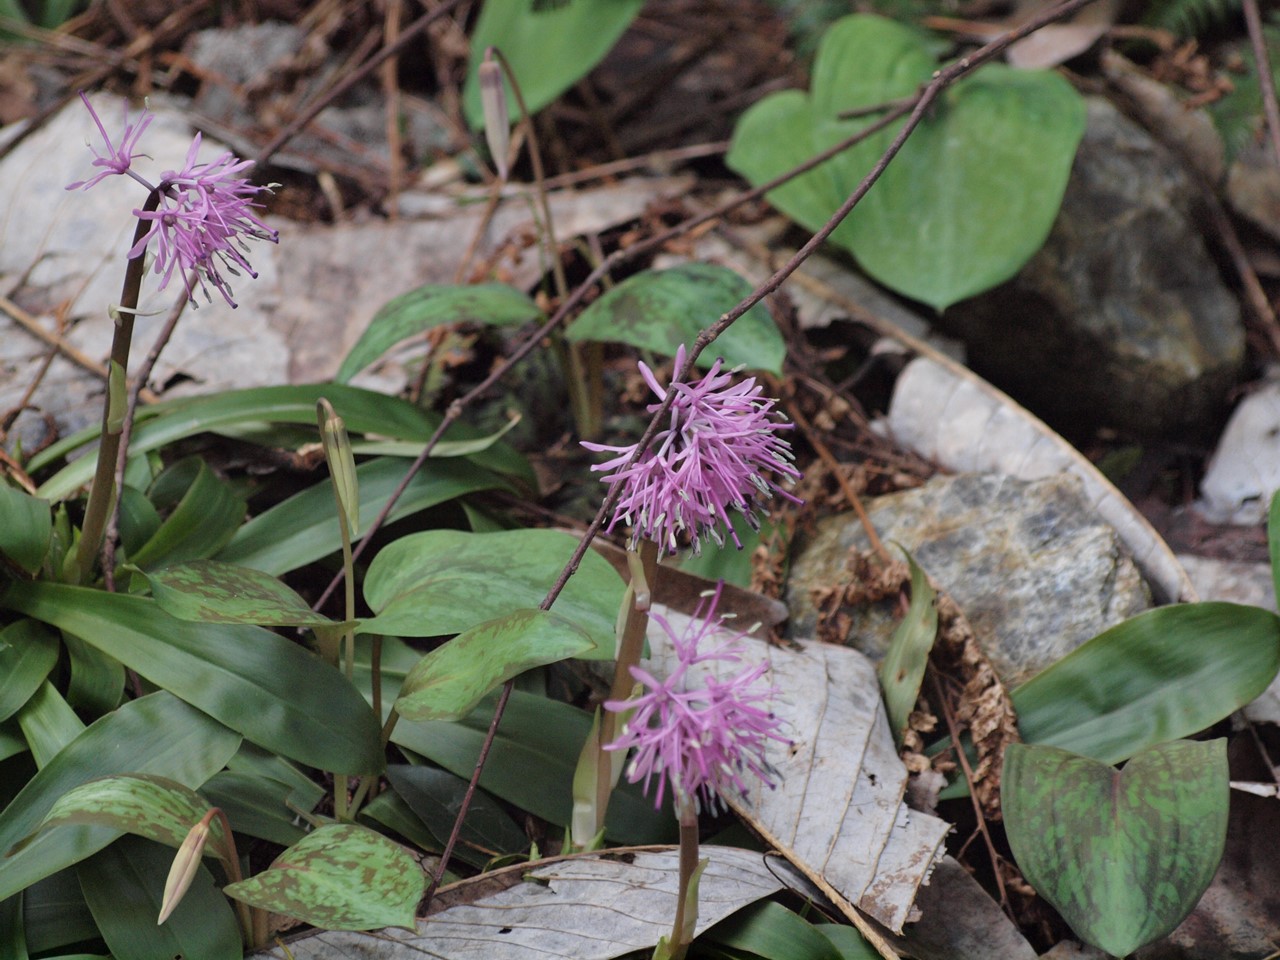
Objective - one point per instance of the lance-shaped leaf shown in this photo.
(342, 467)
(204, 519)
(446, 581)
(341, 877)
(450, 680)
(435, 305)
(28, 651)
(26, 527)
(435, 796)
(154, 807)
(157, 734)
(902, 670)
(212, 591)
(254, 681)
(662, 310)
(1122, 855)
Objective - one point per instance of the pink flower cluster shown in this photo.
(698, 739)
(721, 441)
(205, 211)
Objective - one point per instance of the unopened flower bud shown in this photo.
(497, 123)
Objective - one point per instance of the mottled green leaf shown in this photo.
(215, 592)
(549, 50)
(902, 670)
(441, 582)
(157, 734)
(26, 526)
(435, 305)
(450, 680)
(255, 681)
(28, 651)
(1123, 855)
(662, 310)
(123, 886)
(971, 195)
(303, 528)
(154, 807)
(341, 877)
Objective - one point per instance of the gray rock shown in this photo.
(1034, 569)
(1122, 318)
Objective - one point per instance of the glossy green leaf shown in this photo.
(139, 518)
(662, 310)
(12, 743)
(206, 517)
(26, 526)
(532, 762)
(256, 806)
(1122, 855)
(902, 670)
(303, 528)
(97, 680)
(1164, 674)
(123, 885)
(771, 931)
(450, 680)
(143, 804)
(157, 734)
(549, 49)
(849, 943)
(340, 877)
(435, 796)
(972, 194)
(365, 411)
(211, 591)
(389, 809)
(435, 305)
(28, 651)
(48, 723)
(55, 915)
(255, 681)
(441, 582)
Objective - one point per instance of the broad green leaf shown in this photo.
(304, 528)
(55, 915)
(255, 806)
(206, 517)
(771, 931)
(28, 651)
(13, 938)
(549, 50)
(256, 682)
(26, 525)
(365, 411)
(441, 582)
(1164, 674)
(902, 670)
(143, 804)
(12, 743)
(157, 734)
(450, 680)
(532, 761)
(340, 877)
(123, 885)
(97, 680)
(662, 310)
(48, 723)
(849, 943)
(435, 796)
(972, 194)
(211, 591)
(304, 793)
(139, 518)
(1122, 855)
(435, 305)
(389, 809)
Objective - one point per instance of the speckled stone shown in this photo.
(1035, 570)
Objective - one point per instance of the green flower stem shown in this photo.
(686, 907)
(637, 599)
(102, 489)
(253, 922)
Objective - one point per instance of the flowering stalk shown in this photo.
(698, 736)
(198, 218)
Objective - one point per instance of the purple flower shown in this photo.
(118, 159)
(721, 441)
(700, 739)
(204, 212)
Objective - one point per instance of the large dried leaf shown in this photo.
(580, 908)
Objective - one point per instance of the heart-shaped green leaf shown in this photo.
(215, 592)
(431, 306)
(1122, 855)
(973, 192)
(662, 310)
(441, 582)
(341, 877)
(450, 680)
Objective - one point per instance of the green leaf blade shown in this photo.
(211, 591)
(902, 670)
